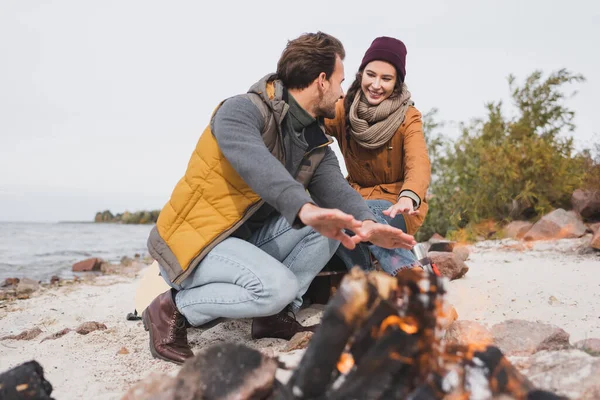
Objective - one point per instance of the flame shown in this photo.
(408, 324)
(345, 363)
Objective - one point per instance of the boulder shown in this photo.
(522, 338)
(586, 203)
(436, 237)
(468, 332)
(570, 373)
(595, 244)
(517, 229)
(590, 346)
(559, 224)
(27, 286)
(449, 264)
(226, 371)
(155, 386)
(10, 282)
(91, 264)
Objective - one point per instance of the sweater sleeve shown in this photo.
(330, 189)
(237, 126)
(417, 168)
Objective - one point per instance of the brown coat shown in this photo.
(381, 174)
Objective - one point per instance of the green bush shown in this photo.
(503, 168)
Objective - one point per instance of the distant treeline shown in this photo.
(139, 217)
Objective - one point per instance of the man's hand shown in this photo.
(385, 236)
(330, 223)
(404, 206)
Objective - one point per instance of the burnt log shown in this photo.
(379, 369)
(25, 382)
(352, 304)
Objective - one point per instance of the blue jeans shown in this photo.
(254, 278)
(391, 261)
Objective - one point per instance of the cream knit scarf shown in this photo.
(373, 126)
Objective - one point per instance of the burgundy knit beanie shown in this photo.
(387, 49)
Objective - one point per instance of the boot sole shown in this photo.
(155, 354)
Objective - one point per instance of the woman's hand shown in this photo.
(383, 235)
(404, 205)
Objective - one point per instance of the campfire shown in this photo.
(380, 338)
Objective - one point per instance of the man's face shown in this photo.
(332, 92)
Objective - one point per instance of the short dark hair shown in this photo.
(304, 58)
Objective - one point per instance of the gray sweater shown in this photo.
(237, 127)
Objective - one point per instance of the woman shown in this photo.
(380, 134)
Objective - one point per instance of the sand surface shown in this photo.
(548, 282)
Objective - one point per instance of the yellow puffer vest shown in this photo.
(212, 201)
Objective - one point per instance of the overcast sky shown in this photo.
(102, 102)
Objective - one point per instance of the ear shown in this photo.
(321, 79)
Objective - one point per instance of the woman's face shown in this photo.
(378, 81)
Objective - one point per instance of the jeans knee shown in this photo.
(277, 292)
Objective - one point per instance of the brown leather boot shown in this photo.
(167, 328)
(281, 326)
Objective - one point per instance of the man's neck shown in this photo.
(304, 100)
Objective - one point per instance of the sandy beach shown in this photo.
(552, 282)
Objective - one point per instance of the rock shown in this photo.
(25, 381)
(88, 327)
(517, 229)
(586, 203)
(27, 286)
(123, 351)
(25, 335)
(226, 371)
(468, 332)
(595, 228)
(462, 252)
(449, 264)
(595, 243)
(299, 341)
(436, 237)
(590, 346)
(10, 282)
(570, 373)
(559, 224)
(521, 338)
(54, 280)
(126, 261)
(56, 335)
(449, 315)
(91, 264)
(153, 386)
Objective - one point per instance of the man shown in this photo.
(262, 207)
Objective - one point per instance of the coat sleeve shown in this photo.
(417, 168)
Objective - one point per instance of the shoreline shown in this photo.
(105, 364)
